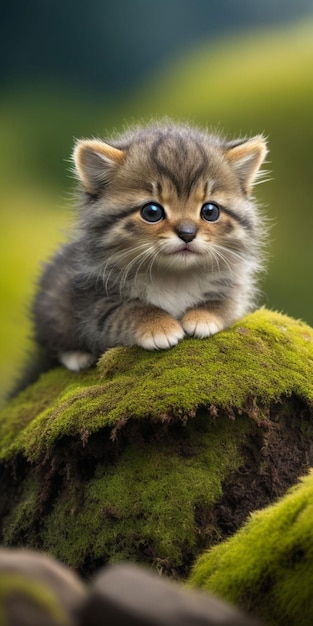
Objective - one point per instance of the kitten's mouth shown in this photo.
(183, 254)
(184, 250)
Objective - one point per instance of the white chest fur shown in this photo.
(174, 294)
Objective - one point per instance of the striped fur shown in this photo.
(123, 280)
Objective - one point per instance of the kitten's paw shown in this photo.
(159, 333)
(201, 323)
(76, 360)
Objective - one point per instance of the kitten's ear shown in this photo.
(95, 162)
(246, 157)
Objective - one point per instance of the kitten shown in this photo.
(168, 244)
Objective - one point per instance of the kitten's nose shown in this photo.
(186, 231)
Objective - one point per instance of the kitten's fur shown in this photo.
(123, 280)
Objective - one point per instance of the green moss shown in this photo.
(143, 507)
(264, 356)
(26, 512)
(267, 567)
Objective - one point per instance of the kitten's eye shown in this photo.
(210, 212)
(152, 212)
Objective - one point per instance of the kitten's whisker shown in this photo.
(112, 263)
(154, 256)
(145, 255)
(234, 253)
(149, 253)
(214, 258)
(119, 256)
(219, 256)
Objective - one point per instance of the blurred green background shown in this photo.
(71, 69)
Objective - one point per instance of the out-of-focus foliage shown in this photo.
(259, 82)
(104, 46)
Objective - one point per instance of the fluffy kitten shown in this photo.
(167, 245)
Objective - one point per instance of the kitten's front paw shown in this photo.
(161, 332)
(201, 323)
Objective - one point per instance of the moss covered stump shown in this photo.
(155, 457)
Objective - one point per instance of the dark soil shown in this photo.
(276, 455)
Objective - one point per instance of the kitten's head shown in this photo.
(170, 196)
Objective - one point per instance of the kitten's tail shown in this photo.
(37, 363)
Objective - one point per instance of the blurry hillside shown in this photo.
(255, 81)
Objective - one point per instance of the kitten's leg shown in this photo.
(76, 360)
(135, 323)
